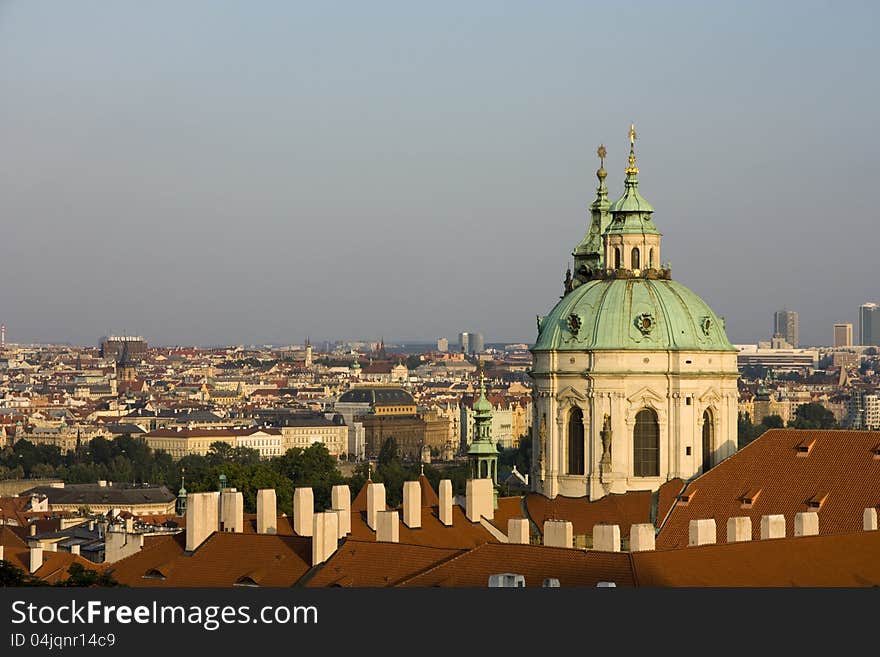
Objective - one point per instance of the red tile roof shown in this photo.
(840, 467)
(536, 563)
(623, 510)
(223, 560)
(368, 563)
(830, 560)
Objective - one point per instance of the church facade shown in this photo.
(634, 379)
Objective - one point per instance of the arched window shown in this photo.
(635, 258)
(576, 442)
(646, 444)
(651, 259)
(616, 257)
(708, 439)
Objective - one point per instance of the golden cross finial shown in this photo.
(632, 150)
(601, 152)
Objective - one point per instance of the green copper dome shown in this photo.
(632, 313)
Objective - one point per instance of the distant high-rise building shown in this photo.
(869, 324)
(843, 335)
(464, 342)
(785, 324)
(477, 344)
(442, 344)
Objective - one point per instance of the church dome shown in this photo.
(632, 313)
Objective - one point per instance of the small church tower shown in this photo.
(483, 454)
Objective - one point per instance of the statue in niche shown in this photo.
(605, 434)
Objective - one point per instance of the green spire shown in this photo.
(482, 453)
(589, 253)
(631, 212)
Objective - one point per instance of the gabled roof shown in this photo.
(624, 510)
(838, 470)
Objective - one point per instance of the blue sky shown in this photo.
(219, 172)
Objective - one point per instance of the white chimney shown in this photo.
(772, 526)
(50, 546)
(412, 504)
(739, 529)
(340, 497)
(303, 511)
(642, 537)
(479, 500)
(518, 531)
(606, 538)
(129, 525)
(702, 532)
(201, 518)
(102, 483)
(388, 530)
(325, 533)
(869, 519)
(806, 523)
(375, 503)
(232, 511)
(558, 533)
(36, 558)
(33, 529)
(267, 511)
(74, 549)
(445, 508)
(2, 550)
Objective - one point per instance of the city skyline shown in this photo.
(426, 170)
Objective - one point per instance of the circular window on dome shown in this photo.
(645, 323)
(574, 324)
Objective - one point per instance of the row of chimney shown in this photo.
(224, 511)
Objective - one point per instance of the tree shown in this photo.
(11, 575)
(772, 422)
(79, 575)
(813, 416)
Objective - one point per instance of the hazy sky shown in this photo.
(225, 172)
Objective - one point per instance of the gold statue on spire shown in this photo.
(601, 152)
(632, 150)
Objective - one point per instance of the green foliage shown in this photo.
(11, 575)
(747, 432)
(813, 416)
(79, 575)
(520, 456)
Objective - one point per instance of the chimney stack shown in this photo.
(518, 531)
(772, 526)
(129, 525)
(412, 504)
(869, 519)
(606, 538)
(325, 532)
(739, 529)
(36, 559)
(479, 500)
(2, 551)
(267, 511)
(303, 511)
(102, 483)
(806, 523)
(74, 549)
(375, 503)
(702, 532)
(445, 508)
(558, 533)
(341, 499)
(201, 518)
(232, 511)
(642, 538)
(33, 529)
(388, 530)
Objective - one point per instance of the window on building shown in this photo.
(635, 258)
(576, 441)
(651, 259)
(616, 258)
(646, 444)
(708, 439)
